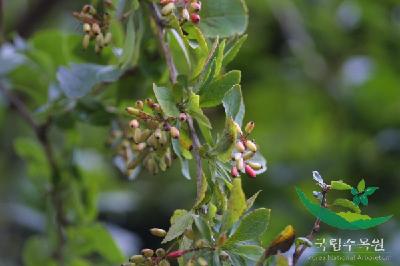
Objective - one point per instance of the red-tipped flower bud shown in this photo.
(249, 171)
(132, 111)
(240, 147)
(234, 171)
(174, 132)
(176, 254)
(134, 123)
(196, 6)
(182, 117)
(195, 18)
(249, 127)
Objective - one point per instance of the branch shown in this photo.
(300, 250)
(41, 133)
(197, 157)
(173, 73)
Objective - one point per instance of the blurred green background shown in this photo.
(319, 77)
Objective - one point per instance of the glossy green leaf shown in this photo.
(226, 142)
(196, 112)
(250, 252)
(364, 199)
(203, 227)
(213, 94)
(370, 190)
(166, 100)
(178, 226)
(184, 163)
(250, 201)
(351, 216)
(37, 251)
(223, 18)
(234, 104)
(251, 227)
(333, 219)
(202, 193)
(236, 205)
(340, 185)
(231, 53)
(347, 204)
(361, 186)
(77, 80)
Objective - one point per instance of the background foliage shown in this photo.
(319, 77)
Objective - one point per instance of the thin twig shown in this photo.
(197, 157)
(41, 133)
(173, 73)
(300, 250)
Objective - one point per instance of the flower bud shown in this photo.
(176, 254)
(195, 18)
(107, 38)
(86, 27)
(139, 104)
(149, 102)
(249, 171)
(248, 155)
(132, 111)
(249, 127)
(137, 258)
(96, 28)
(182, 117)
(251, 146)
(196, 6)
(158, 232)
(185, 14)
(97, 48)
(255, 166)
(157, 134)
(163, 139)
(85, 41)
(238, 129)
(234, 171)
(240, 147)
(174, 132)
(201, 243)
(240, 164)
(134, 123)
(100, 40)
(237, 156)
(160, 252)
(190, 263)
(156, 107)
(190, 234)
(137, 136)
(152, 141)
(168, 9)
(139, 146)
(147, 252)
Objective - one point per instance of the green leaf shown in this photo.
(226, 142)
(133, 37)
(234, 104)
(236, 205)
(351, 216)
(178, 226)
(364, 199)
(354, 191)
(184, 163)
(251, 252)
(251, 227)
(37, 251)
(340, 185)
(93, 239)
(179, 49)
(250, 201)
(370, 190)
(203, 227)
(361, 186)
(195, 111)
(33, 154)
(356, 200)
(223, 18)
(234, 50)
(202, 193)
(333, 219)
(77, 80)
(166, 100)
(219, 57)
(213, 94)
(347, 204)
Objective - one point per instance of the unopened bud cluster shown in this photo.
(150, 135)
(95, 26)
(244, 151)
(185, 10)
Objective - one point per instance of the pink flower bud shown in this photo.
(176, 254)
(196, 6)
(249, 171)
(195, 18)
(234, 171)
